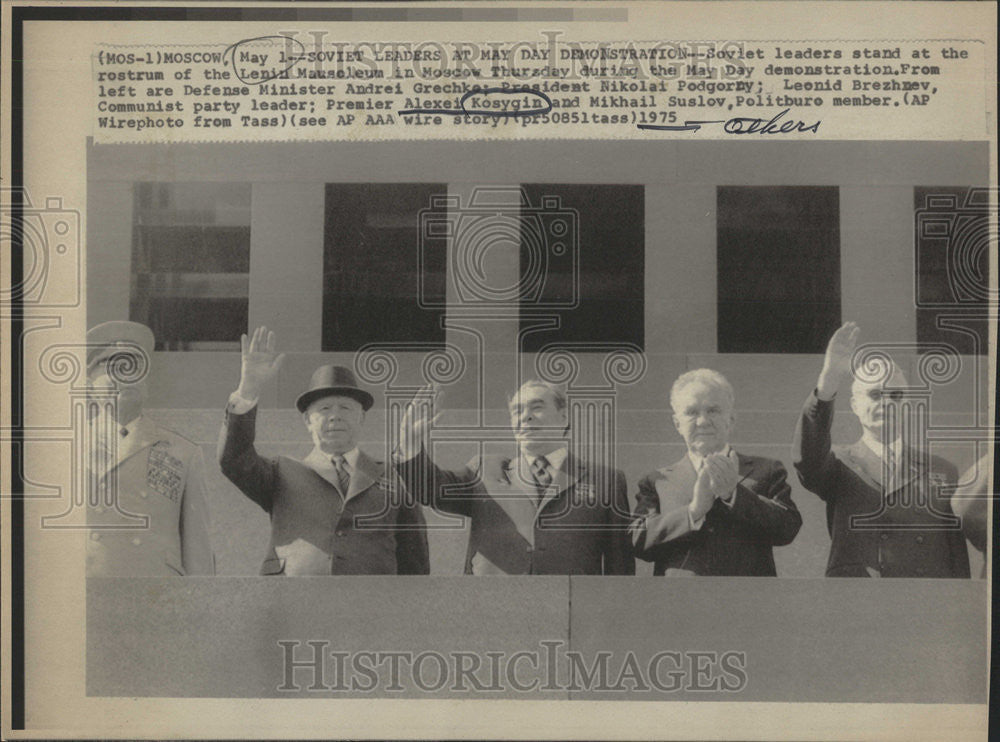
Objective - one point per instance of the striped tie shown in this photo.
(543, 478)
(343, 477)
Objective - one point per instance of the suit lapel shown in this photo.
(366, 473)
(912, 467)
(871, 467)
(514, 493)
(677, 484)
(144, 436)
(866, 463)
(571, 471)
(746, 468)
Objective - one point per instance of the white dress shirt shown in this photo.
(322, 463)
(317, 460)
(555, 459)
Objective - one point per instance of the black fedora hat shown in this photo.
(333, 380)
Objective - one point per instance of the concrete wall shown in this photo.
(876, 181)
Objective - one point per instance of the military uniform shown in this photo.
(159, 477)
(879, 529)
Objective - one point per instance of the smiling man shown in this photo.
(714, 512)
(337, 511)
(541, 512)
(887, 501)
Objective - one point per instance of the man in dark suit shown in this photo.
(541, 512)
(887, 503)
(714, 512)
(337, 511)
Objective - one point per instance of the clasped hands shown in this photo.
(717, 479)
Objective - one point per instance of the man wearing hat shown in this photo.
(147, 514)
(337, 511)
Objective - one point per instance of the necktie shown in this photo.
(543, 478)
(343, 477)
(890, 460)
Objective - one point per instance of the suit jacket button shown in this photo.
(884, 536)
(95, 536)
(144, 494)
(137, 541)
(341, 533)
(920, 540)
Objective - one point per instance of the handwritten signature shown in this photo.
(744, 125)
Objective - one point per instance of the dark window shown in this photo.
(583, 261)
(953, 234)
(191, 263)
(380, 272)
(778, 259)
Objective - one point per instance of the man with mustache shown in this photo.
(337, 511)
(541, 512)
(714, 512)
(887, 502)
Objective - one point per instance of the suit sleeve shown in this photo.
(618, 556)
(812, 453)
(434, 487)
(412, 553)
(654, 532)
(196, 549)
(969, 502)
(945, 500)
(771, 514)
(240, 462)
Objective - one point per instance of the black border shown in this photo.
(16, 270)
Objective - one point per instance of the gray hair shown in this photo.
(706, 376)
(558, 395)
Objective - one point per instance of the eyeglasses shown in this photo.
(893, 395)
(712, 412)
